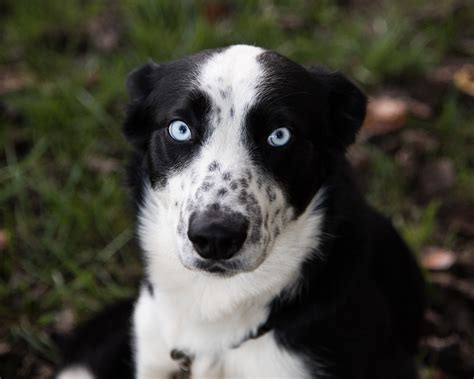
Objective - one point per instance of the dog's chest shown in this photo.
(212, 349)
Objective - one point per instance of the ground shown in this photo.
(66, 234)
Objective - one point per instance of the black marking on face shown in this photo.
(232, 112)
(259, 182)
(180, 227)
(214, 207)
(227, 176)
(234, 185)
(277, 231)
(250, 208)
(249, 174)
(206, 186)
(214, 166)
(184, 361)
(277, 212)
(149, 287)
(256, 230)
(265, 220)
(175, 203)
(223, 93)
(243, 197)
(271, 194)
(244, 183)
(222, 192)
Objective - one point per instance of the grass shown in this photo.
(69, 226)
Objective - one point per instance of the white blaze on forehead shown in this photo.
(230, 78)
(235, 71)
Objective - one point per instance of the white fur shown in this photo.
(75, 372)
(203, 314)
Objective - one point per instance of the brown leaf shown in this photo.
(4, 239)
(102, 164)
(464, 79)
(291, 22)
(14, 79)
(5, 348)
(215, 11)
(384, 115)
(419, 109)
(65, 321)
(105, 30)
(438, 259)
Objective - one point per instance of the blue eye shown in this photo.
(279, 137)
(179, 131)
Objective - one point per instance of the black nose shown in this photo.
(217, 235)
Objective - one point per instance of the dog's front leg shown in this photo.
(151, 353)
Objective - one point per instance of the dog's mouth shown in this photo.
(217, 267)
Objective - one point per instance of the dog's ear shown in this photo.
(140, 81)
(347, 106)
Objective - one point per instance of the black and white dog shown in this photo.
(262, 258)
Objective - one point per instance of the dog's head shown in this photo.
(234, 144)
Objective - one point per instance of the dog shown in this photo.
(262, 258)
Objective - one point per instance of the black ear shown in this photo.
(140, 81)
(347, 106)
(138, 124)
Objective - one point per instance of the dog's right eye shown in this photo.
(179, 131)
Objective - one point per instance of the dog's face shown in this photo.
(234, 144)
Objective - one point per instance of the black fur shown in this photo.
(103, 344)
(361, 307)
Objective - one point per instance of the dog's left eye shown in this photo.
(279, 137)
(179, 131)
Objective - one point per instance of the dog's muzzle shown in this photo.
(217, 235)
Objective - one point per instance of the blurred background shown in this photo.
(66, 233)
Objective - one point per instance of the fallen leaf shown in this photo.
(105, 30)
(4, 239)
(215, 11)
(14, 79)
(438, 344)
(102, 164)
(464, 79)
(419, 109)
(4, 348)
(438, 259)
(384, 115)
(291, 22)
(65, 321)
